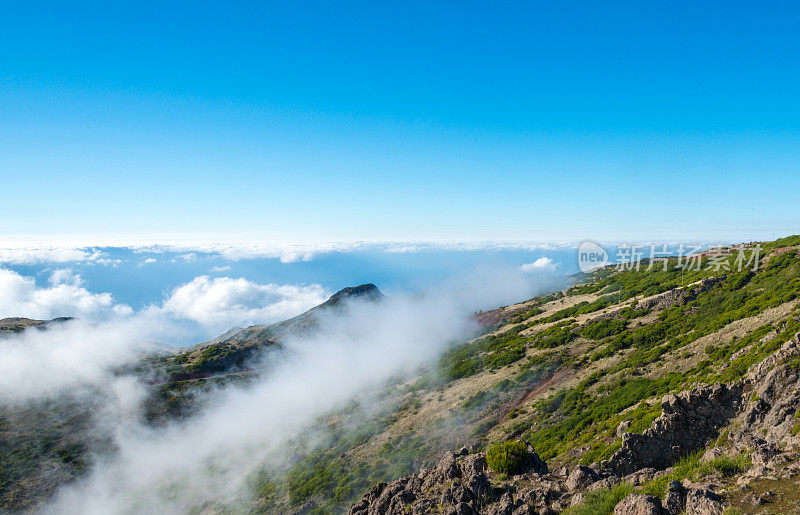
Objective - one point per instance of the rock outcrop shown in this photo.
(459, 484)
(689, 420)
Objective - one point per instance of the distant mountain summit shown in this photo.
(236, 347)
(363, 292)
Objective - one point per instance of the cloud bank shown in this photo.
(26, 254)
(222, 300)
(64, 296)
(202, 308)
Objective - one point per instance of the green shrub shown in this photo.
(507, 457)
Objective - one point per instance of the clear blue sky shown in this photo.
(406, 120)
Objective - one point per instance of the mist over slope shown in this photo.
(97, 413)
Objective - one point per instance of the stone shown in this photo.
(581, 477)
(675, 498)
(701, 501)
(638, 504)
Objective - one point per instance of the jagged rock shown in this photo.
(540, 493)
(623, 427)
(534, 463)
(387, 497)
(458, 484)
(505, 506)
(459, 509)
(641, 476)
(675, 498)
(456, 494)
(701, 501)
(774, 385)
(446, 469)
(362, 506)
(638, 504)
(759, 500)
(582, 477)
(668, 299)
(606, 483)
(688, 421)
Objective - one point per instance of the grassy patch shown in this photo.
(600, 501)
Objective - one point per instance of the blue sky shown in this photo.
(402, 121)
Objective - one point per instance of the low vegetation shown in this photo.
(601, 501)
(507, 457)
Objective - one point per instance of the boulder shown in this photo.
(675, 498)
(701, 501)
(582, 477)
(637, 504)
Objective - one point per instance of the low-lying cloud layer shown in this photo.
(225, 301)
(26, 253)
(78, 252)
(203, 307)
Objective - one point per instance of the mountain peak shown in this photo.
(366, 291)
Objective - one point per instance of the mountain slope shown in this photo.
(645, 376)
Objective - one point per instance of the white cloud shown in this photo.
(147, 261)
(203, 307)
(65, 296)
(26, 255)
(223, 301)
(220, 268)
(543, 264)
